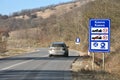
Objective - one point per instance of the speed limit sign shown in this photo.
(99, 35)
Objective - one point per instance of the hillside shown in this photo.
(55, 21)
(51, 10)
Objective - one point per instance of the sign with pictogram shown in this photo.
(77, 40)
(99, 35)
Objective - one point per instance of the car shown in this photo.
(58, 48)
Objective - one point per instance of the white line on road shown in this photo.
(15, 65)
(6, 68)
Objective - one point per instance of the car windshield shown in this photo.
(58, 45)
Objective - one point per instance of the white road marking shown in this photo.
(14, 65)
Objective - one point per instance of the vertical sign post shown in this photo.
(103, 61)
(99, 36)
(93, 60)
(77, 42)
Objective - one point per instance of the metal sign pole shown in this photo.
(103, 61)
(93, 60)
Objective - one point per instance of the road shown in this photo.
(37, 66)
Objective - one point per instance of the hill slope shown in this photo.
(58, 26)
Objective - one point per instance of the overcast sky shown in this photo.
(7, 7)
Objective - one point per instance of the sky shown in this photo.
(7, 7)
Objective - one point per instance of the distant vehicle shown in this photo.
(58, 48)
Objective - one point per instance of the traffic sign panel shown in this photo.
(99, 35)
(77, 41)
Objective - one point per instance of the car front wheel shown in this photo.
(66, 55)
(50, 55)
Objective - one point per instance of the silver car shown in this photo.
(58, 48)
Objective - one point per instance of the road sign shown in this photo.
(99, 35)
(77, 41)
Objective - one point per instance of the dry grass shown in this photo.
(58, 10)
(16, 51)
(94, 75)
(82, 70)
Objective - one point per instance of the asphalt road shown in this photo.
(37, 66)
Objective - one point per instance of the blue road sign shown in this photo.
(77, 41)
(99, 35)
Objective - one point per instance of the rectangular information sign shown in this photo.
(99, 35)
